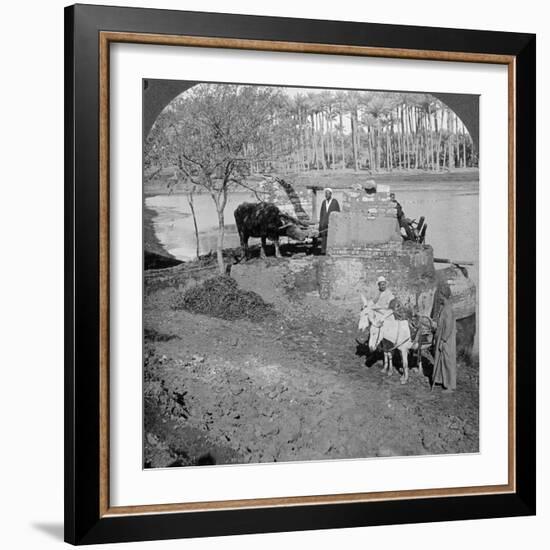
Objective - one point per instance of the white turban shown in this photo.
(328, 189)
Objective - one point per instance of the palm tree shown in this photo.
(340, 111)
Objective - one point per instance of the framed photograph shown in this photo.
(300, 274)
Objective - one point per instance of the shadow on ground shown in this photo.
(53, 530)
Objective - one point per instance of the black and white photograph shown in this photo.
(310, 273)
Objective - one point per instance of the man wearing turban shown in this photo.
(329, 205)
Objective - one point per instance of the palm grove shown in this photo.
(214, 137)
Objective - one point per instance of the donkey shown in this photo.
(383, 325)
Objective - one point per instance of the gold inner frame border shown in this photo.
(105, 39)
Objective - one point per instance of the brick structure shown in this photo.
(408, 267)
(364, 242)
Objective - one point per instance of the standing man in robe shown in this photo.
(329, 205)
(398, 206)
(445, 344)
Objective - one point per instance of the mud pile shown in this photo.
(221, 297)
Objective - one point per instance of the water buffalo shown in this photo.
(265, 221)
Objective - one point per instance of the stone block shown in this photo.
(360, 229)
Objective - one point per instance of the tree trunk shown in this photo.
(410, 138)
(301, 142)
(192, 207)
(220, 207)
(342, 139)
(391, 146)
(322, 139)
(399, 139)
(358, 138)
(420, 140)
(429, 145)
(388, 150)
(333, 164)
(463, 147)
(369, 147)
(439, 131)
(219, 248)
(451, 142)
(378, 160)
(314, 140)
(354, 139)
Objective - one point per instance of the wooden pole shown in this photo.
(314, 205)
(449, 261)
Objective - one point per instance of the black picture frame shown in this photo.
(84, 522)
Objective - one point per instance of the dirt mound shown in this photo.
(221, 297)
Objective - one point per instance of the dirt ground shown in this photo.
(290, 386)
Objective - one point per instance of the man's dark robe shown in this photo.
(399, 211)
(445, 348)
(323, 221)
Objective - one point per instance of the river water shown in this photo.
(451, 211)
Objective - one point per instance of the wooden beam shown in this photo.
(313, 204)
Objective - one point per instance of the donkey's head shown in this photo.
(366, 315)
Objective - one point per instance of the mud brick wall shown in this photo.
(408, 267)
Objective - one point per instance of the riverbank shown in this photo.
(344, 178)
(155, 256)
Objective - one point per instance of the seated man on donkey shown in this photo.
(443, 324)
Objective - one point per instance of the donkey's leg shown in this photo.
(388, 354)
(384, 362)
(405, 356)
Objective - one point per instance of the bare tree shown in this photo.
(212, 133)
